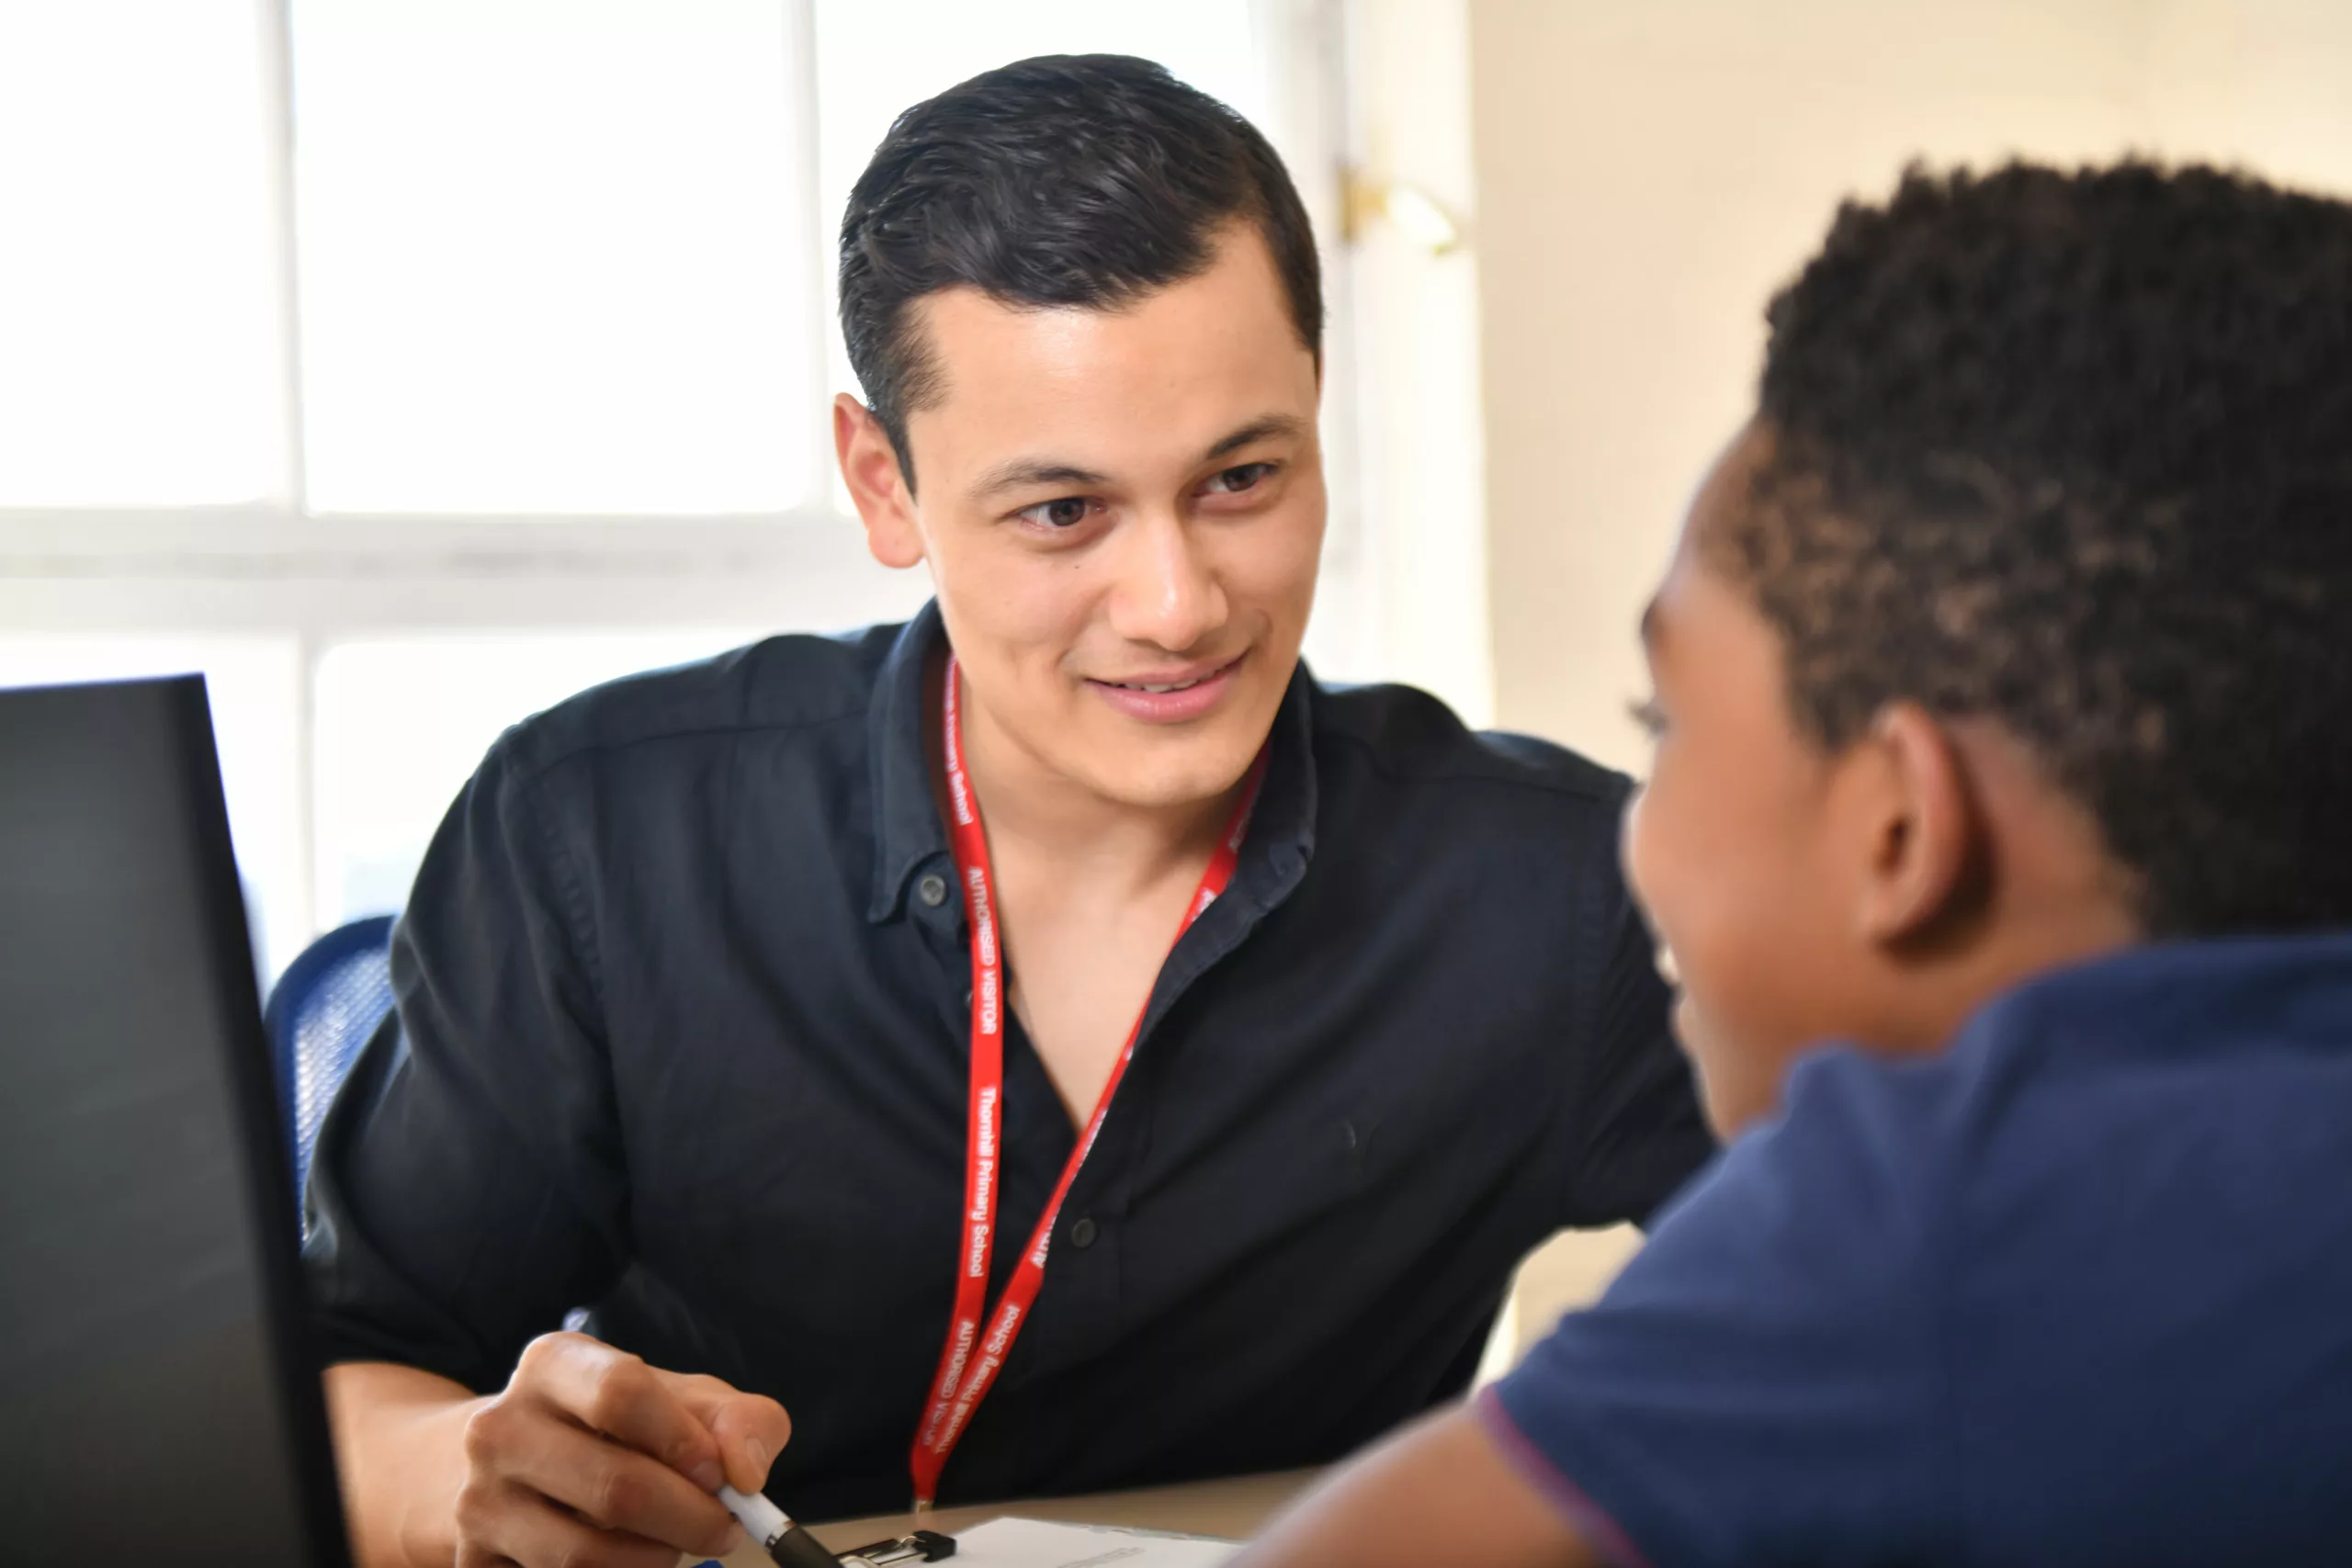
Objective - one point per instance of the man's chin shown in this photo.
(1159, 790)
(1151, 769)
(1158, 766)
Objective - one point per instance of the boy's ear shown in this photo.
(877, 487)
(1925, 844)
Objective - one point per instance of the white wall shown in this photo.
(1421, 552)
(1647, 175)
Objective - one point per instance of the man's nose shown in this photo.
(1168, 593)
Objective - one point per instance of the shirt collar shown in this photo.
(907, 829)
(1282, 829)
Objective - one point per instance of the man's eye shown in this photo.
(1066, 511)
(1649, 715)
(1248, 476)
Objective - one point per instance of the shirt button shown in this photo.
(932, 889)
(1082, 1233)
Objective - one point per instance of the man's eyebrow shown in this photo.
(1261, 429)
(1650, 626)
(1024, 472)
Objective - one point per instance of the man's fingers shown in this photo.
(617, 1489)
(751, 1430)
(613, 1392)
(533, 1533)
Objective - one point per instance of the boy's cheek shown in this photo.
(1721, 1094)
(1691, 1034)
(1739, 1068)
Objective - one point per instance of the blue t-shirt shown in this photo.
(2077, 1291)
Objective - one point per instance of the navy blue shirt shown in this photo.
(2078, 1292)
(683, 1039)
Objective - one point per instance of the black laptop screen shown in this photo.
(155, 1406)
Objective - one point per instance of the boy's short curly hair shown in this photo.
(2073, 451)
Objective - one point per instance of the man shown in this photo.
(761, 1007)
(2001, 693)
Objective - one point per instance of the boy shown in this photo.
(2001, 733)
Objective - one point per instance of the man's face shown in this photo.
(1734, 845)
(1122, 512)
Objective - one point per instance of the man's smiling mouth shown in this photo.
(1159, 688)
(1172, 695)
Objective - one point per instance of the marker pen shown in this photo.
(790, 1545)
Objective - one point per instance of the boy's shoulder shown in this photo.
(2097, 1249)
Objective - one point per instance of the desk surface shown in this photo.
(1235, 1508)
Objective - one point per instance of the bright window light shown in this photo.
(402, 723)
(553, 256)
(137, 323)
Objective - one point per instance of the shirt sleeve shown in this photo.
(467, 1189)
(1636, 1130)
(1764, 1383)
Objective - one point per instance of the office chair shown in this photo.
(322, 1009)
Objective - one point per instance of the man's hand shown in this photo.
(588, 1458)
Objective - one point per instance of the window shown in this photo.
(138, 358)
(406, 365)
(553, 258)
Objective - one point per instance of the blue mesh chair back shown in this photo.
(321, 1011)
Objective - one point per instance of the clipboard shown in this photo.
(1016, 1543)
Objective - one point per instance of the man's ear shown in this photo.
(1924, 850)
(877, 487)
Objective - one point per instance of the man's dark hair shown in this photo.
(2073, 452)
(1088, 179)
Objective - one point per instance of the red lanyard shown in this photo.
(963, 1381)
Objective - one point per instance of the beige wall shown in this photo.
(1421, 538)
(1648, 172)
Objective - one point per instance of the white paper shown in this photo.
(1034, 1543)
